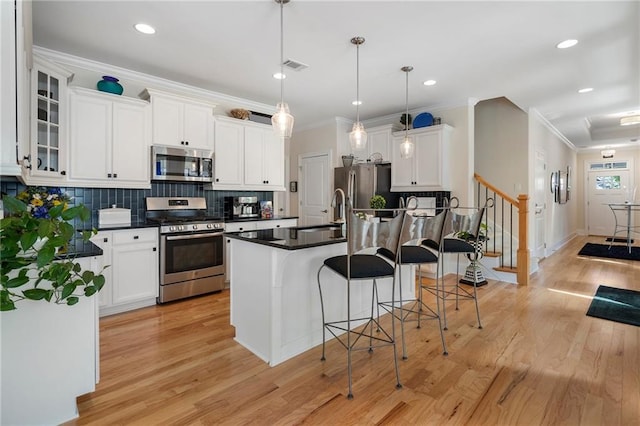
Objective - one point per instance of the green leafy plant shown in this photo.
(377, 202)
(467, 236)
(35, 229)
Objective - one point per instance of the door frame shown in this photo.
(538, 252)
(330, 166)
(587, 170)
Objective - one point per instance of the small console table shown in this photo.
(624, 224)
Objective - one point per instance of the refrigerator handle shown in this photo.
(352, 188)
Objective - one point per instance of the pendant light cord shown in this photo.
(406, 117)
(357, 83)
(281, 51)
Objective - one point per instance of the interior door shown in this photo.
(606, 185)
(314, 190)
(540, 205)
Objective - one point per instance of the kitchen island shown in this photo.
(275, 304)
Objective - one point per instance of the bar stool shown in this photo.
(361, 263)
(421, 240)
(462, 235)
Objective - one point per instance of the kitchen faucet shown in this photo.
(334, 201)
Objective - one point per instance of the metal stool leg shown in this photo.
(322, 311)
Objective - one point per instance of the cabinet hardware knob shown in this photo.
(154, 249)
(135, 237)
(105, 240)
(241, 229)
(217, 180)
(325, 211)
(186, 142)
(115, 175)
(63, 173)
(108, 175)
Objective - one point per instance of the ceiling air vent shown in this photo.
(295, 65)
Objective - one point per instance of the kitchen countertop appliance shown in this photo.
(241, 207)
(191, 247)
(362, 181)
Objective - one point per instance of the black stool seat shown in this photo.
(411, 255)
(455, 245)
(362, 266)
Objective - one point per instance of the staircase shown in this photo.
(506, 249)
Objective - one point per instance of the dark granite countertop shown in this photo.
(253, 219)
(79, 248)
(134, 225)
(293, 238)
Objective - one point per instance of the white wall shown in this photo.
(561, 219)
(501, 140)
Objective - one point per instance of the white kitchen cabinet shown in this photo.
(228, 154)
(109, 140)
(132, 276)
(180, 121)
(251, 225)
(425, 171)
(47, 157)
(247, 156)
(263, 159)
(379, 141)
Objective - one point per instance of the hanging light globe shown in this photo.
(282, 120)
(406, 148)
(358, 137)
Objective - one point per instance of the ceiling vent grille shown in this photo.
(295, 65)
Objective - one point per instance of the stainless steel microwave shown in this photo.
(181, 164)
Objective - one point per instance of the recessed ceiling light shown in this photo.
(566, 44)
(429, 82)
(356, 103)
(279, 76)
(586, 90)
(145, 28)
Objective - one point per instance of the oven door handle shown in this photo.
(189, 237)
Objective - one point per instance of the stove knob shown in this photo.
(195, 227)
(180, 228)
(172, 228)
(209, 226)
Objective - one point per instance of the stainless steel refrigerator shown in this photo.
(362, 181)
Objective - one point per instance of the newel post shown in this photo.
(523, 257)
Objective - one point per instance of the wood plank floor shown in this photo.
(538, 360)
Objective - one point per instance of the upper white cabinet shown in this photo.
(247, 156)
(180, 121)
(263, 158)
(425, 171)
(110, 141)
(228, 153)
(379, 141)
(47, 157)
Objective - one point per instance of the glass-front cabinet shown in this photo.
(48, 119)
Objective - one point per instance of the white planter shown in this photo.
(48, 359)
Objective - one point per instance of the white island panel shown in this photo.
(275, 302)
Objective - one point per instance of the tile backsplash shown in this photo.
(100, 198)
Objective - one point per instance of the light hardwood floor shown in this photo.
(538, 360)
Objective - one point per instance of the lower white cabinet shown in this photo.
(251, 225)
(133, 265)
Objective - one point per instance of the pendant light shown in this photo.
(282, 120)
(407, 147)
(358, 136)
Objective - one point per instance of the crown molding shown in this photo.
(152, 81)
(534, 113)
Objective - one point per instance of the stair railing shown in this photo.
(505, 212)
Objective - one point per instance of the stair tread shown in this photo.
(492, 253)
(506, 269)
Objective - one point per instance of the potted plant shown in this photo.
(35, 230)
(377, 202)
(406, 120)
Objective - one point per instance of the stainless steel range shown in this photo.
(191, 247)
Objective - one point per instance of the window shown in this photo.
(608, 182)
